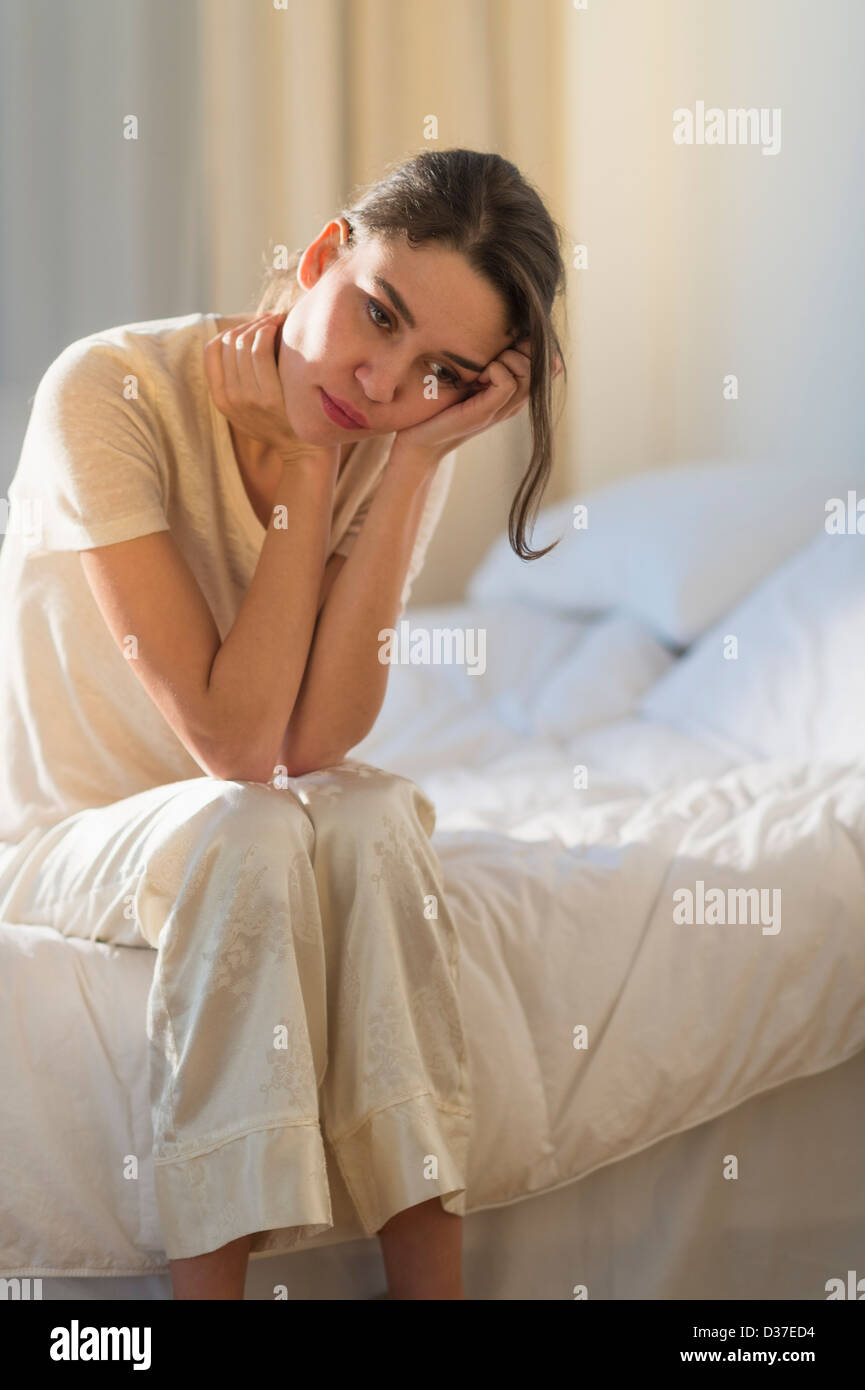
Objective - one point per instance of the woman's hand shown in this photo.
(246, 387)
(502, 390)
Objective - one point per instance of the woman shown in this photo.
(236, 566)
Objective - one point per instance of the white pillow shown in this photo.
(797, 686)
(676, 547)
(600, 680)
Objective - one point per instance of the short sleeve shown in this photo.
(90, 471)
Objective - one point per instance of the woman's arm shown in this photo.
(227, 702)
(344, 683)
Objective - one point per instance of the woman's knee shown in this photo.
(245, 810)
(214, 831)
(361, 800)
(261, 806)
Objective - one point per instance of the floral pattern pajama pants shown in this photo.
(305, 987)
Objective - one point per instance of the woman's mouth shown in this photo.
(342, 413)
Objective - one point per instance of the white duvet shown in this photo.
(571, 830)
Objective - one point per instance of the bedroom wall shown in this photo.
(717, 259)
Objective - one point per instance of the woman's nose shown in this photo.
(379, 384)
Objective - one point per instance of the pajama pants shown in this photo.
(305, 984)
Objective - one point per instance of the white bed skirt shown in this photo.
(662, 1224)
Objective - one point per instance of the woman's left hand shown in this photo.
(502, 390)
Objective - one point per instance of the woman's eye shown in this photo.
(372, 307)
(449, 379)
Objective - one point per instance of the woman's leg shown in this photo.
(395, 1101)
(237, 1019)
(217, 878)
(274, 983)
(220, 1274)
(422, 1250)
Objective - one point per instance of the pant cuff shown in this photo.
(271, 1182)
(386, 1163)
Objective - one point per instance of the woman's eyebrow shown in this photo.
(404, 312)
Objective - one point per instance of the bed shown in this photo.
(648, 776)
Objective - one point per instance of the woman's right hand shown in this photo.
(246, 387)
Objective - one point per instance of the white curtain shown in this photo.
(95, 229)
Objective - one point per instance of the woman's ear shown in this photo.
(320, 252)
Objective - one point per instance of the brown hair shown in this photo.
(481, 206)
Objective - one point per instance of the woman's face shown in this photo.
(374, 347)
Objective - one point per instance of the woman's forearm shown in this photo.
(344, 683)
(258, 669)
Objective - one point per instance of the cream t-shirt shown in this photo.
(123, 440)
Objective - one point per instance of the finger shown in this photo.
(496, 377)
(517, 363)
(213, 366)
(230, 377)
(244, 339)
(237, 369)
(261, 357)
(521, 399)
(492, 390)
(492, 399)
(263, 360)
(524, 347)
